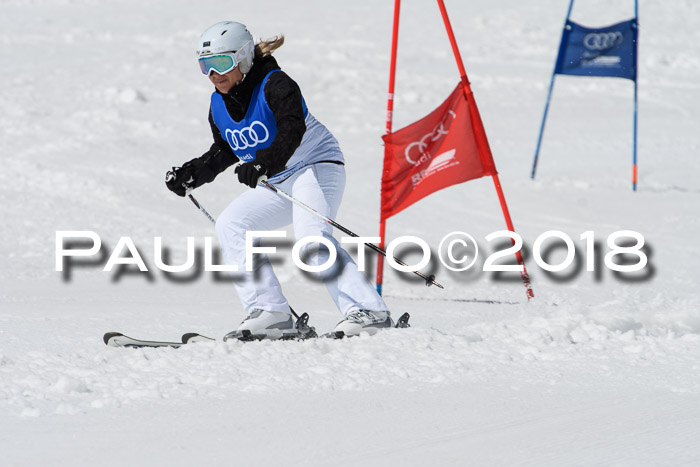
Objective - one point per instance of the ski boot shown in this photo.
(260, 324)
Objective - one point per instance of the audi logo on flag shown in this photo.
(422, 145)
(602, 40)
(247, 137)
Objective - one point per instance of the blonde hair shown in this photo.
(265, 48)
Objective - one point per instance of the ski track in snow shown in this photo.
(599, 369)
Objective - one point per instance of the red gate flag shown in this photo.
(447, 147)
(438, 151)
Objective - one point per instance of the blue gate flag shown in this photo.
(609, 51)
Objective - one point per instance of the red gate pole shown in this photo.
(389, 119)
(482, 142)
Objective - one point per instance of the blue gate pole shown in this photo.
(636, 77)
(544, 118)
(634, 142)
(549, 96)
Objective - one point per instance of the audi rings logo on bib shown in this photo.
(602, 40)
(416, 151)
(247, 137)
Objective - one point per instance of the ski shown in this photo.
(117, 339)
(192, 337)
(302, 331)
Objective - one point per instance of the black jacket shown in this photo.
(284, 99)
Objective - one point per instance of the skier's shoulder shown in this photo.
(278, 81)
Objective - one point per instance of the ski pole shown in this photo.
(199, 206)
(188, 191)
(429, 280)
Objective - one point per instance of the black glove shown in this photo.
(180, 179)
(250, 173)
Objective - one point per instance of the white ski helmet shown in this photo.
(227, 37)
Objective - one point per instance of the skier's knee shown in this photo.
(320, 254)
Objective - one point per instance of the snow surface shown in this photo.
(100, 98)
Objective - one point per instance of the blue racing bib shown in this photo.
(256, 131)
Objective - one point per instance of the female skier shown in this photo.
(260, 122)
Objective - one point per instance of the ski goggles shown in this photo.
(225, 62)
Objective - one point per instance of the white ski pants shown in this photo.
(319, 186)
